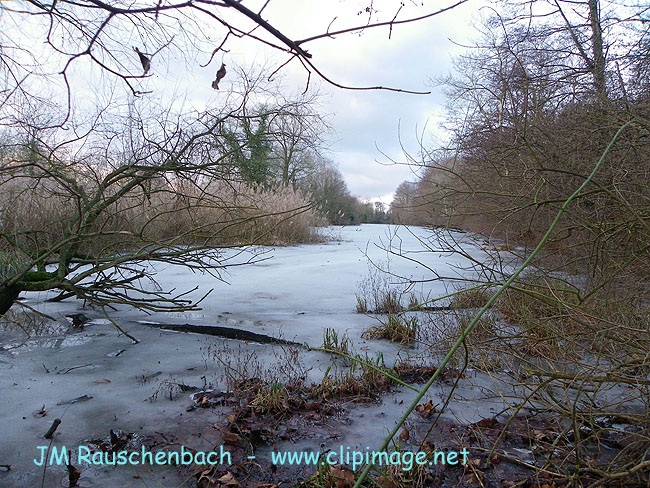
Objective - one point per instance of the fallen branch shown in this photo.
(52, 429)
(76, 367)
(82, 398)
(226, 332)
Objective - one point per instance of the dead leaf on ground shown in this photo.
(405, 434)
(476, 476)
(426, 409)
(102, 381)
(540, 436)
(342, 478)
(205, 476)
(487, 423)
(228, 480)
(231, 438)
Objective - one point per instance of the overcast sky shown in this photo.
(367, 122)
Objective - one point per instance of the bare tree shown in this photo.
(548, 163)
(278, 141)
(297, 137)
(330, 193)
(591, 37)
(85, 214)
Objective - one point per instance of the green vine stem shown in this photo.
(489, 303)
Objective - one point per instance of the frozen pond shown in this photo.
(293, 292)
(297, 291)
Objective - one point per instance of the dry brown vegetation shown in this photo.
(573, 330)
(215, 213)
(395, 328)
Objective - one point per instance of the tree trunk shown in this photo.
(7, 298)
(598, 69)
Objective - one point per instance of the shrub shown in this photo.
(470, 298)
(363, 379)
(272, 398)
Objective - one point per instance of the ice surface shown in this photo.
(293, 293)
